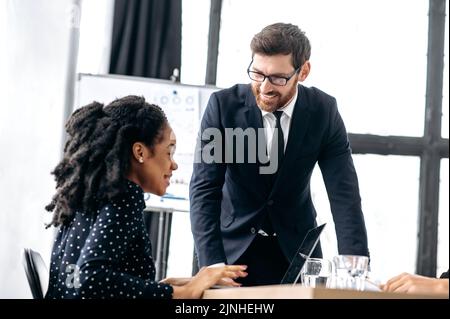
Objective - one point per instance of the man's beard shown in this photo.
(277, 102)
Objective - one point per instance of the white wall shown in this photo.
(33, 53)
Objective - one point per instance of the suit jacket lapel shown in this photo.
(297, 131)
(254, 120)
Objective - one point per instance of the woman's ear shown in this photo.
(139, 152)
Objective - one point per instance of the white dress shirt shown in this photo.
(270, 122)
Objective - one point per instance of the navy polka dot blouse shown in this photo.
(107, 254)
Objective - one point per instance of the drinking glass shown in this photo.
(316, 273)
(350, 271)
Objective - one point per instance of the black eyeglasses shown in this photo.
(274, 79)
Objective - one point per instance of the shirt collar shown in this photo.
(288, 109)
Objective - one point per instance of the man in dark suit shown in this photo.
(256, 212)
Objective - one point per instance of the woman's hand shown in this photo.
(416, 284)
(176, 281)
(206, 278)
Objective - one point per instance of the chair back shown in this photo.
(36, 271)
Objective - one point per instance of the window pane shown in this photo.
(194, 41)
(377, 71)
(445, 106)
(443, 237)
(95, 36)
(389, 190)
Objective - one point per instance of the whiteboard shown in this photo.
(183, 104)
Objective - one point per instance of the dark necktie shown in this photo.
(278, 151)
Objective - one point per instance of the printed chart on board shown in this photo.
(182, 104)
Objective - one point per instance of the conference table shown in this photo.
(300, 292)
(166, 206)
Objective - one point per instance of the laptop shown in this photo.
(305, 250)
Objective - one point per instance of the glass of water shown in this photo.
(351, 271)
(316, 273)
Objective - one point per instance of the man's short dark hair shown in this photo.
(282, 38)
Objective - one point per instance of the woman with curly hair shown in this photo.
(112, 156)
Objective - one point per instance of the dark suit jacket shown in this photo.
(229, 201)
